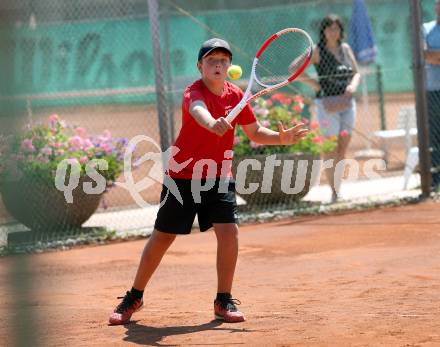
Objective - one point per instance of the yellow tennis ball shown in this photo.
(234, 72)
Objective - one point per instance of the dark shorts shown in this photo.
(216, 205)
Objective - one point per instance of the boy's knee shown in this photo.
(227, 233)
(161, 236)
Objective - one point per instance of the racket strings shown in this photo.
(282, 58)
(298, 62)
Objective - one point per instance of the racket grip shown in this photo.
(236, 110)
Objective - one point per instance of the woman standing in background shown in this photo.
(338, 79)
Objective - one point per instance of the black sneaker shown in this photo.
(125, 309)
(227, 311)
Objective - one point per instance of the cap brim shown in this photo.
(216, 48)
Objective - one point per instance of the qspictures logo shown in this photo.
(69, 170)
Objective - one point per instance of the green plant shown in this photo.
(289, 110)
(37, 152)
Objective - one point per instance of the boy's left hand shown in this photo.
(292, 135)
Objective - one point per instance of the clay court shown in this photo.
(360, 279)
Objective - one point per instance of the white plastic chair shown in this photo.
(406, 130)
(412, 160)
(412, 152)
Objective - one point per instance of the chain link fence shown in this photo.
(95, 65)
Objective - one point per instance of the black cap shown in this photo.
(211, 44)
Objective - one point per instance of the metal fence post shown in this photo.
(383, 123)
(421, 105)
(161, 99)
(169, 77)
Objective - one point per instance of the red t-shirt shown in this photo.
(198, 143)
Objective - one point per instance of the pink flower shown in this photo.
(57, 145)
(80, 132)
(53, 121)
(88, 145)
(54, 118)
(104, 147)
(83, 160)
(314, 125)
(325, 123)
(298, 98)
(46, 151)
(297, 108)
(268, 103)
(277, 97)
(75, 142)
(27, 145)
(254, 144)
(263, 112)
(282, 99)
(265, 123)
(318, 140)
(343, 133)
(237, 140)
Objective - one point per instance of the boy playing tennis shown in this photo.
(205, 134)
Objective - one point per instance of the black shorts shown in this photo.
(216, 205)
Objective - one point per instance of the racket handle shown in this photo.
(236, 110)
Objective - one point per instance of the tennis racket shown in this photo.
(280, 59)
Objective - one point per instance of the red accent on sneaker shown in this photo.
(123, 313)
(226, 314)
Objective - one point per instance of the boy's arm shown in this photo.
(265, 136)
(201, 114)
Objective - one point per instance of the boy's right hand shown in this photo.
(220, 126)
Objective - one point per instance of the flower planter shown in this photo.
(30, 160)
(277, 195)
(41, 207)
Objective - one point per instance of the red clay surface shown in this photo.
(360, 279)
